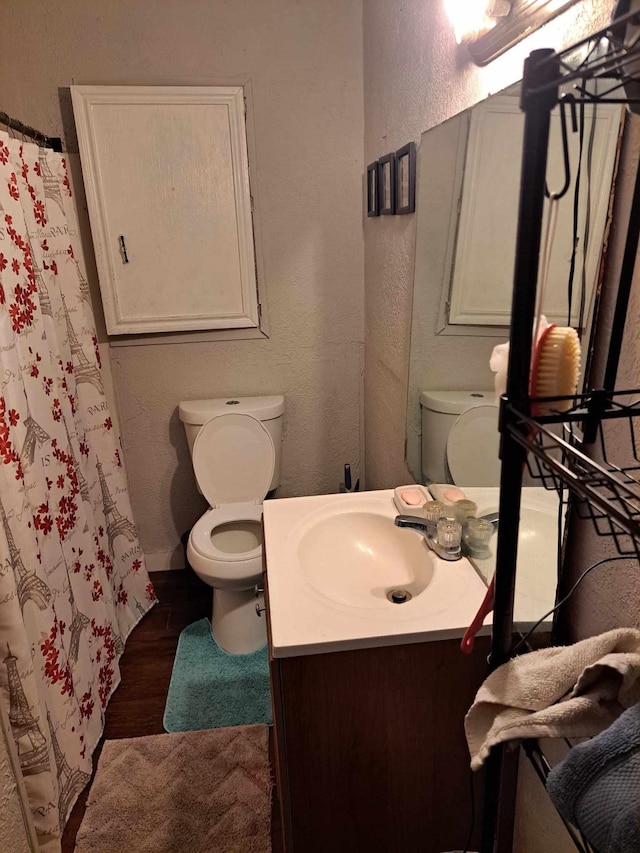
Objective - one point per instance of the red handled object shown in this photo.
(466, 646)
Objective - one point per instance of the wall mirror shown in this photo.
(467, 208)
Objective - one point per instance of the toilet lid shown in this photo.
(472, 448)
(233, 459)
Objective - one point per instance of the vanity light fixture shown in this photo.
(473, 18)
(490, 27)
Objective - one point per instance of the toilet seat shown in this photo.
(233, 459)
(225, 569)
(472, 448)
(202, 530)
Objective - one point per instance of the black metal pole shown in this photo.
(624, 291)
(542, 767)
(54, 142)
(541, 69)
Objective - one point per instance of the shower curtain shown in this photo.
(72, 577)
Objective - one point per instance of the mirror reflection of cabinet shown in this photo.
(167, 177)
(454, 356)
(482, 278)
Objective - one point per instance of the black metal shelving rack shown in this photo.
(603, 489)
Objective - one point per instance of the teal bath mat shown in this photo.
(210, 689)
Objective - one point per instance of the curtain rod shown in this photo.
(54, 142)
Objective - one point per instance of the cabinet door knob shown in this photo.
(260, 610)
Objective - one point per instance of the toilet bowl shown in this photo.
(460, 438)
(234, 460)
(225, 551)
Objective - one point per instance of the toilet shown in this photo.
(460, 438)
(236, 450)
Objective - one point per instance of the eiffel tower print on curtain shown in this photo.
(30, 742)
(43, 293)
(52, 191)
(30, 586)
(82, 483)
(83, 369)
(35, 436)
(117, 524)
(78, 623)
(85, 293)
(70, 781)
(118, 644)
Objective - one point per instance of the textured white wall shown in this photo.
(15, 835)
(415, 77)
(12, 832)
(304, 61)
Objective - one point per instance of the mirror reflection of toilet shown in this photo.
(236, 450)
(460, 438)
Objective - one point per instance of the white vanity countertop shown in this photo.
(306, 621)
(536, 577)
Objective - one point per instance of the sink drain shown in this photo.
(398, 596)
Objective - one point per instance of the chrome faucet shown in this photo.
(428, 531)
(492, 518)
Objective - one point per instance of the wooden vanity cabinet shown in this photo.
(370, 750)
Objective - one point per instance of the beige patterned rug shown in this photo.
(188, 792)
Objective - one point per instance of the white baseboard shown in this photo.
(165, 561)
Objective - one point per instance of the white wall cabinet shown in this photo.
(167, 178)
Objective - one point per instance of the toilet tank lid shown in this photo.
(262, 408)
(456, 402)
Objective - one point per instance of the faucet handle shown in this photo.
(449, 534)
(478, 535)
(433, 510)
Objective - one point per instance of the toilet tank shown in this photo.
(268, 410)
(439, 410)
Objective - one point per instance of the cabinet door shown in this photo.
(167, 179)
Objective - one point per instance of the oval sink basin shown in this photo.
(360, 558)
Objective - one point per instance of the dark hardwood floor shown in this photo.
(137, 706)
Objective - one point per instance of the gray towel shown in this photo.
(597, 786)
